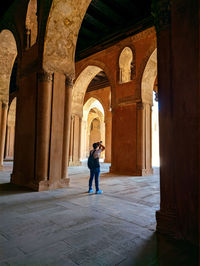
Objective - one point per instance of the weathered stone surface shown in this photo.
(8, 53)
(62, 31)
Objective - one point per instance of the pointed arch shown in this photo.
(92, 109)
(8, 53)
(31, 24)
(125, 64)
(148, 78)
(80, 87)
(61, 35)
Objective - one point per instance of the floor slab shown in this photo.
(71, 227)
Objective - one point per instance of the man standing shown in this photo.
(95, 170)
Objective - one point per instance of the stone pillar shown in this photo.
(108, 135)
(67, 124)
(166, 216)
(75, 138)
(83, 139)
(9, 146)
(144, 149)
(140, 137)
(3, 117)
(44, 98)
(71, 140)
(80, 133)
(179, 121)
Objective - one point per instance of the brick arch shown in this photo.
(8, 52)
(149, 77)
(95, 104)
(61, 35)
(92, 68)
(80, 87)
(109, 73)
(31, 23)
(100, 64)
(88, 104)
(143, 65)
(97, 97)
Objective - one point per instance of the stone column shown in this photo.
(108, 136)
(140, 138)
(3, 117)
(75, 139)
(83, 139)
(80, 133)
(179, 119)
(67, 122)
(166, 216)
(71, 140)
(44, 98)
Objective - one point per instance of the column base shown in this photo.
(137, 172)
(167, 224)
(41, 185)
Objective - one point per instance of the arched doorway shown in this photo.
(149, 97)
(93, 126)
(80, 114)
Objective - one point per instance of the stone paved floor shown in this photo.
(69, 227)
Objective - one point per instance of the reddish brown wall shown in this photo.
(124, 139)
(124, 100)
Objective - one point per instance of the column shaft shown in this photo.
(44, 98)
(66, 135)
(3, 114)
(108, 136)
(80, 133)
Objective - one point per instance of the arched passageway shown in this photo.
(41, 163)
(80, 114)
(151, 126)
(93, 126)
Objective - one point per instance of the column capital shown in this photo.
(140, 106)
(69, 82)
(3, 104)
(161, 10)
(44, 76)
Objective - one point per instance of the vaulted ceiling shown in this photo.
(108, 21)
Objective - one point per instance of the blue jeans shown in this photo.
(94, 172)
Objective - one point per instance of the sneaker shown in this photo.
(90, 190)
(99, 192)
